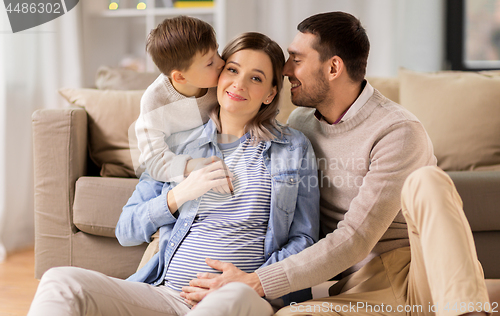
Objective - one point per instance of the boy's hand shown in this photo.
(211, 175)
(194, 164)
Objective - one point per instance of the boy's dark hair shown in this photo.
(340, 34)
(174, 42)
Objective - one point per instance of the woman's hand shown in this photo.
(211, 173)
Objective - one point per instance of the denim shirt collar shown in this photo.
(210, 132)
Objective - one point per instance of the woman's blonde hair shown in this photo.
(264, 125)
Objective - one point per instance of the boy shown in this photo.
(185, 50)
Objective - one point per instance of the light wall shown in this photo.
(403, 33)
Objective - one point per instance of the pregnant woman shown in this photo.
(271, 213)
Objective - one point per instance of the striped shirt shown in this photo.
(226, 228)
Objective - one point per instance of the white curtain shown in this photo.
(33, 64)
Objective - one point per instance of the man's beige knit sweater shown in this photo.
(362, 163)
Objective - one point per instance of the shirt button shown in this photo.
(172, 244)
(185, 224)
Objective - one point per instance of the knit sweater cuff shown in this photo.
(177, 167)
(274, 281)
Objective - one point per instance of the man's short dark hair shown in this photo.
(340, 34)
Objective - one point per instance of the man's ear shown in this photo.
(271, 96)
(177, 76)
(336, 67)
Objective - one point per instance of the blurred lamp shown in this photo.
(113, 4)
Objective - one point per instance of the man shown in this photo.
(367, 146)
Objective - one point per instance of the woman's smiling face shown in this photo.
(245, 83)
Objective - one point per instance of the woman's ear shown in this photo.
(271, 96)
(177, 76)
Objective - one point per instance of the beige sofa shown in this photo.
(76, 209)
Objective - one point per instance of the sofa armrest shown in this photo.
(60, 158)
(479, 193)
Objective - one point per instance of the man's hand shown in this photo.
(208, 282)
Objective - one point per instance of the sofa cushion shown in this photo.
(461, 113)
(123, 79)
(111, 114)
(105, 255)
(99, 202)
(388, 86)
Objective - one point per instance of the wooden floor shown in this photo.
(17, 283)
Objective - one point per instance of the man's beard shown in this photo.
(317, 93)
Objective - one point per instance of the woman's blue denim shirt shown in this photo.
(294, 215)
